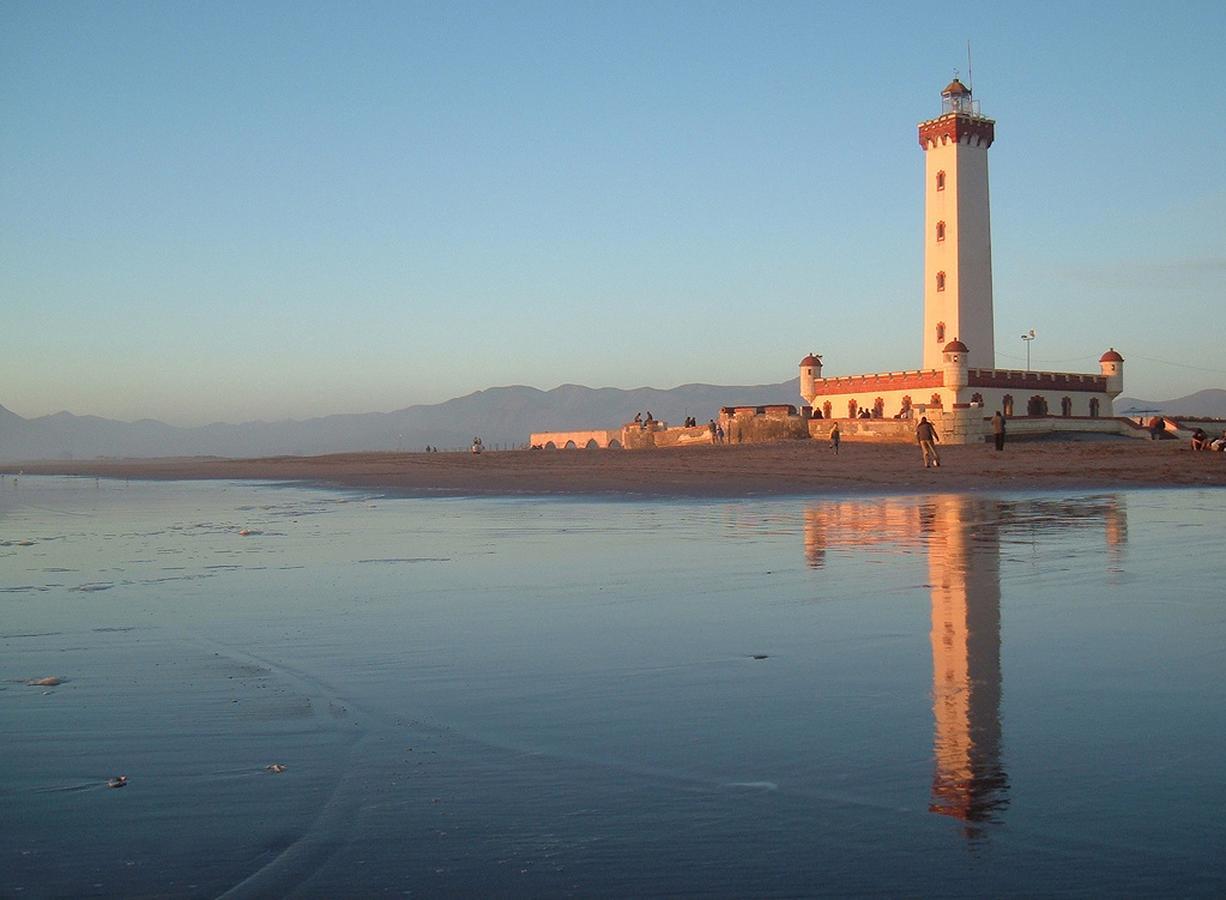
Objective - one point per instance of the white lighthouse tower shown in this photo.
(957, 230)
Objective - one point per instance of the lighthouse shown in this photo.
(958, 385)
(957, 230)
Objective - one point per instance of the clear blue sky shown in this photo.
(224, 211)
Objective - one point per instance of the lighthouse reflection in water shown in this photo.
(963, 537)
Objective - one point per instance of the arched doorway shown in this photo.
(935, 402)
(615, 444)
(591, 445)
(878, 408)
(1066, 406)
(570, 445)
(851, 409)
(1036, 406)
(1094, 407)
(1007, 404)
(826, 409)
(550, 445)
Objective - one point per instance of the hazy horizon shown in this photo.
(1127, 395)
(230, 213)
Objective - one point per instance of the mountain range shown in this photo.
(501, 416)
(1209, 404)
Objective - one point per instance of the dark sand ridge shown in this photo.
(802, 467)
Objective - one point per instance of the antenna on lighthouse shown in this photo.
(970, 72)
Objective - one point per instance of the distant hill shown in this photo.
(1210, 404)
(501, 416)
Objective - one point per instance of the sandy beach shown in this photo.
(800, 468)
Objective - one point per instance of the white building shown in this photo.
(959, 362)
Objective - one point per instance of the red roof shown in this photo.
(955, 346)
(1111, 356)
(810, 360)
(955, 87)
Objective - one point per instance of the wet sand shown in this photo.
(531, 697)
(797, 468)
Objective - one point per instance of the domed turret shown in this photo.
(954, 357)
(810, 372)
(1112, 366)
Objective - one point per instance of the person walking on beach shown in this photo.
(928, 438)
(998, 430)
(835, 438)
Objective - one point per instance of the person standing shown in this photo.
(928, 438)
(835, 438)
(998, 430)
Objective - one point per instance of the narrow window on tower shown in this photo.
(940, 281)
(940, 231)
(941, 181)
(940, 332)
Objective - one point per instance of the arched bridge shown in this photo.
(581, 440)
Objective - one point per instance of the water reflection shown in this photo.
(969, 782)
(962, 536)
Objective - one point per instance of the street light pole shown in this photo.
(1028, 337)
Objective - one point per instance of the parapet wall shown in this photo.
(887, 381)
(1007, 379)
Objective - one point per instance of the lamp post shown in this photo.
(1028, 337)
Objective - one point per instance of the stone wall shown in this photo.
(659, 435)
(961, 425)
(956, 426)
(762, 424)
(887, 431)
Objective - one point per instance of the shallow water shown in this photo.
(923, 695)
